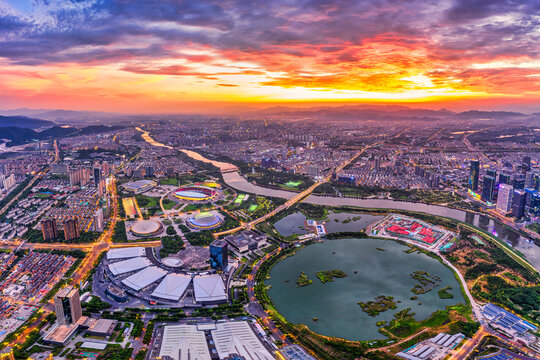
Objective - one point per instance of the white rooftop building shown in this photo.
(209, 289)
(144, 278)
(237, 337)
(172, 287)
(184, 342)
(130, 265)
(125, 253)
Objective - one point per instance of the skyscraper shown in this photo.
(529, 179)
(97, 175)
(518, 204)
(49, 229)
(492, 173)
(526, 164)
(67, 306)
(504, 201)
(219, 254)
(488, 185)
(71, 229)
(474, 174)
(504, 179)
(98, 220)
(519, 181)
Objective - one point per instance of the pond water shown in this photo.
(335, 304)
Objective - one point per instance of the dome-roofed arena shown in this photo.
(146, 228)
(205, 220)
(195, 193)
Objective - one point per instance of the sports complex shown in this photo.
(205, 221)
(195, 193)
(139, 186)
(146, 228)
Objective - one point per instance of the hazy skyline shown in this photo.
(172, 56)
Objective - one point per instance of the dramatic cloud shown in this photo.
(265, 50)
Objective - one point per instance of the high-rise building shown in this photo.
(492, 173)
(67, 306)
(505, 179)
(71, 229)
(7, 182)
(105, 168)
(504, 200)
(529, 179)
(526, 164)
(97, 175)
(149, 171)
(488, 186)
(474, 174)
(519, 181)
(49, 229)
(98, 220)
(518, 204)
(219, 254)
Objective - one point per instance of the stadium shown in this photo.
(195, 193)
(139, 186)
(205, 220)
(147, 228)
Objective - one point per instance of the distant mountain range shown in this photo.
(24, 122)
(15, 135)
(315, 112)
(388, 112)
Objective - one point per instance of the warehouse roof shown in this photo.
(144, 278)
(172, 287)
(130, 265)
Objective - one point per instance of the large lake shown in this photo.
(378, 273)
(334, 222)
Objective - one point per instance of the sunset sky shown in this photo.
(154, 56)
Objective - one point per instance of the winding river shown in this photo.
(238, 182)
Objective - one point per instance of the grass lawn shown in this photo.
(169, 181)
(147, 202)
(253, 208)
(168, 204)
(42, 195)
(293, 184)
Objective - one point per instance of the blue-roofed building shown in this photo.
(509, 322)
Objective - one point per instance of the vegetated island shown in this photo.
(303, 280)
(381, 304)
(329, 275)
(427, 282)
(445, 294)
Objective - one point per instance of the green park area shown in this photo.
(168, 204)
(381, 304)
(303, 280)
(329, 275)
(239, 199)
(146, 201)
(293, 184)
(253, 207)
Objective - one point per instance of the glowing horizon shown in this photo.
(148, 58)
